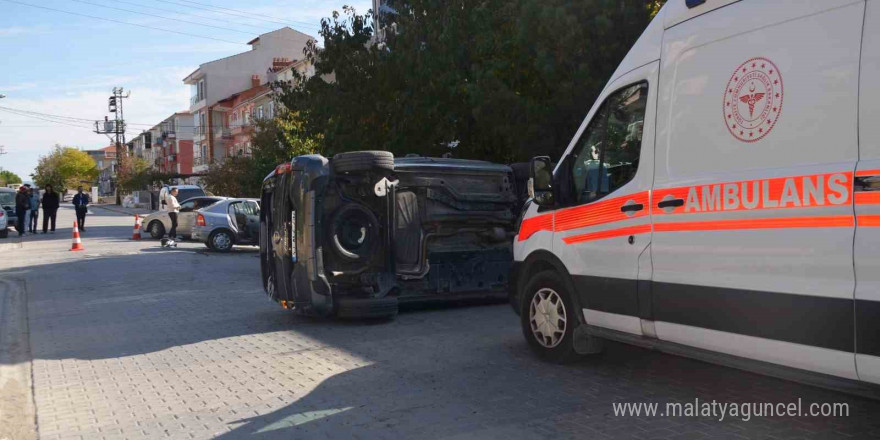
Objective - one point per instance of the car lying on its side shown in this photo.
(227, 223)
(360, 233)
(158, 223)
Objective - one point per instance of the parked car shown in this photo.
(184, 192)
(358, 234)
(7, 201)
(693, 213)
(228, 223)
(158, 223)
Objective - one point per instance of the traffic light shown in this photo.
(112, 105)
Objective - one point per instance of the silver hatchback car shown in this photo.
(227, 223)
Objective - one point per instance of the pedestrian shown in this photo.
(35, 210)
(81, 204)
(173, 208)
(50, 208)
(22, 207)
(27, 212)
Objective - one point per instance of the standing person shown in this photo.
(81, 203)
(35, 210)
(50, 207)
(27, 212)
(22, 206)
(173, 208)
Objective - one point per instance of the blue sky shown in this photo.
(67, 65)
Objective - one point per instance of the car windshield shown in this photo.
(7, 199)
(183, 194)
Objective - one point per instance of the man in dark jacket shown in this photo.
(50, 207)
(81, 203)
(22, 206)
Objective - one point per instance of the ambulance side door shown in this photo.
(604, 226)
(867, 204)
(753, 217)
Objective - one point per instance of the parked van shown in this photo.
(721, 197)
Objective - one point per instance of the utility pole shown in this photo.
(115, 127)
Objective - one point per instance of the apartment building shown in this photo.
(220, 79)
(105, 162)
(173, 146)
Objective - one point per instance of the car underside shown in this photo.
(360, 233)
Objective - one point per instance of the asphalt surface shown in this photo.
(128, 340)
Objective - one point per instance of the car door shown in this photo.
(604, 226)
(186, 218)
(753, 217)
(867, 204)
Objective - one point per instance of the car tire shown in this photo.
(548, 318)
(157, 229)
(221, 240)
(363, 161)
(4, 233)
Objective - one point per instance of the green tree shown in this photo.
(65, 167)
(7, 177)
(274, 141)
(504, 80)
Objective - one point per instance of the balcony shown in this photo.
(196, 100)
(169, 134)
(200, 160)
(241, 129)
(226, 133)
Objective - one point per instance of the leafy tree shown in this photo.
(65, 167)
(274, 141)
(7, 177)
(504, 80)
(137, 174)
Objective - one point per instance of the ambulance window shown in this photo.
(624, 135)
(608, 155)
(585, 167)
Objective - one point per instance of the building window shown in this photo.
(271, 110)
(260, 112)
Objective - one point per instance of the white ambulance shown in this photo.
(722, 197)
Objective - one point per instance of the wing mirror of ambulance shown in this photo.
(541, 181)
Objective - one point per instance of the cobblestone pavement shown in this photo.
(132, 341)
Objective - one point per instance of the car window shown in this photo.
(188, 193)
(187, 206)
(7, 199)
(607, 155)
(203, 203)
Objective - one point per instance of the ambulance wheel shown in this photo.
(548, 318)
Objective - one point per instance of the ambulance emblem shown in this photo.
(753, 100)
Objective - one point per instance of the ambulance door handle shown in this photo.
(632, 208)
(671, 203)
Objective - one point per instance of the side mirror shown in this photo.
(541, 181)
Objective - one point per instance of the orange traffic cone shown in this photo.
(77, 243)
(136, 235)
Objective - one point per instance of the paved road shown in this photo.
(132, 341)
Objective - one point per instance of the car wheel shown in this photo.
(221, 241)
(363, 161)
(548, 318)
(157, 229)
(4, 233)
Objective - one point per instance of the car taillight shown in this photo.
(200, 220)
(283, 168)
(2, 213)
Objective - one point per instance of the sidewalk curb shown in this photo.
(118, 210)
(18, 419)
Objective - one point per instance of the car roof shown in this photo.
(4, 189)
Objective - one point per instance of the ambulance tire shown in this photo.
(547, 291)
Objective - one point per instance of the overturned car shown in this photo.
(358, 234)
